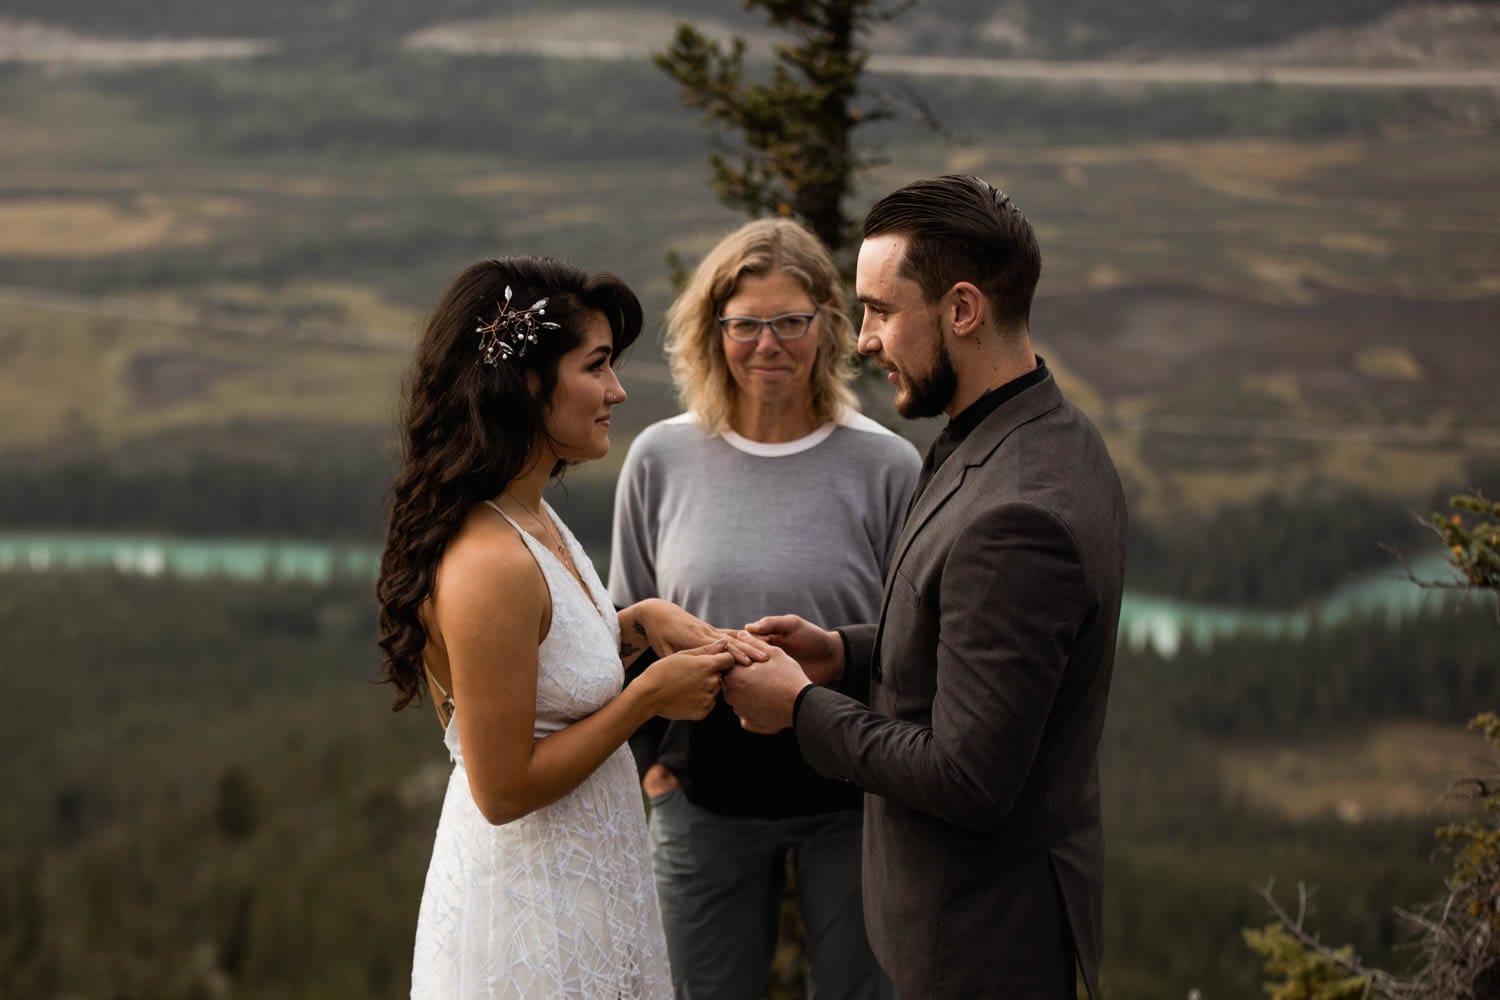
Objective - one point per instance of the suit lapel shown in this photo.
(949, 478)
(944, 483)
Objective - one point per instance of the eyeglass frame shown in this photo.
(725, 320)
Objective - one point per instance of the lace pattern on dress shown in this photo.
(559, 903)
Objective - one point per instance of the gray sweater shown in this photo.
(732, 530)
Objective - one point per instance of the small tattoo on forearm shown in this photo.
(626, 650)
(640, 629)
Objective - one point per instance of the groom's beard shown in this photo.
(929, 394)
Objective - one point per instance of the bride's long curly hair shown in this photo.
(468, 427)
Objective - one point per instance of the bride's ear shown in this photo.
(534, 386)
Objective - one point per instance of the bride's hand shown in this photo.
(669, 629)
(686, 684)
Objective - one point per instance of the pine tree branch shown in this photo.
(1378, 982)
(1425, 584)
(901, 100)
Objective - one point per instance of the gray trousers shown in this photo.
(720, 881)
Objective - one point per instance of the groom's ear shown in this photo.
(965, 308)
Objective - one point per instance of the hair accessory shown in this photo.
(512, 331)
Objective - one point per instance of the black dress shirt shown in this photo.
(946, 444)
(973, 415)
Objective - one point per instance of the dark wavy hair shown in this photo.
(468, 427)
(961, 229)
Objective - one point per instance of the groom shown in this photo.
(971, 713)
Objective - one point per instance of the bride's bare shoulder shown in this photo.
(486, 563)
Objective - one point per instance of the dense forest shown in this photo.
(221, 800)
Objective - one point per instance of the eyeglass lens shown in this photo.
(788, 327)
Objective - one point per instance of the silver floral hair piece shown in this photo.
(512, 331)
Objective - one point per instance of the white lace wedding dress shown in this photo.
(559, 903)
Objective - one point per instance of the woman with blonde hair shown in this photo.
(770, 492)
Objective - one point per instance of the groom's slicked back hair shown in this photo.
(960, 228)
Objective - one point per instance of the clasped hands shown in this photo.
(774, 659)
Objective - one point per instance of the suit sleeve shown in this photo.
(1012, 601)
(859, 646)
(632, 578)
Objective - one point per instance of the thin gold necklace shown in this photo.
(549, 536)
(559, 549)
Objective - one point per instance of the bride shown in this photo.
(539, 884)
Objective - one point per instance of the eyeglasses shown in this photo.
(790, 326)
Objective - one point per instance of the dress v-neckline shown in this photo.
(572, 573)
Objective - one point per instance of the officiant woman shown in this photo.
(771, 493)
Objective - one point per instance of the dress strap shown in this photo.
(445, 706)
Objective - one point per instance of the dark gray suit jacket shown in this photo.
(977, 736)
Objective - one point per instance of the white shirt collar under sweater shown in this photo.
(848, 418)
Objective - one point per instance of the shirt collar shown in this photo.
(973, 415)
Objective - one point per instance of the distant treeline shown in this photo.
(1336, 679)
(206, 794)
(1278, 550)
(320, 483)
(331, 484)
(278, 482)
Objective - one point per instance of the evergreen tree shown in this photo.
(794, 129)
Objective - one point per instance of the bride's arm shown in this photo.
(489, 604)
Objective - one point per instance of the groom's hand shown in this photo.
(764, 694)
(820, 652)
